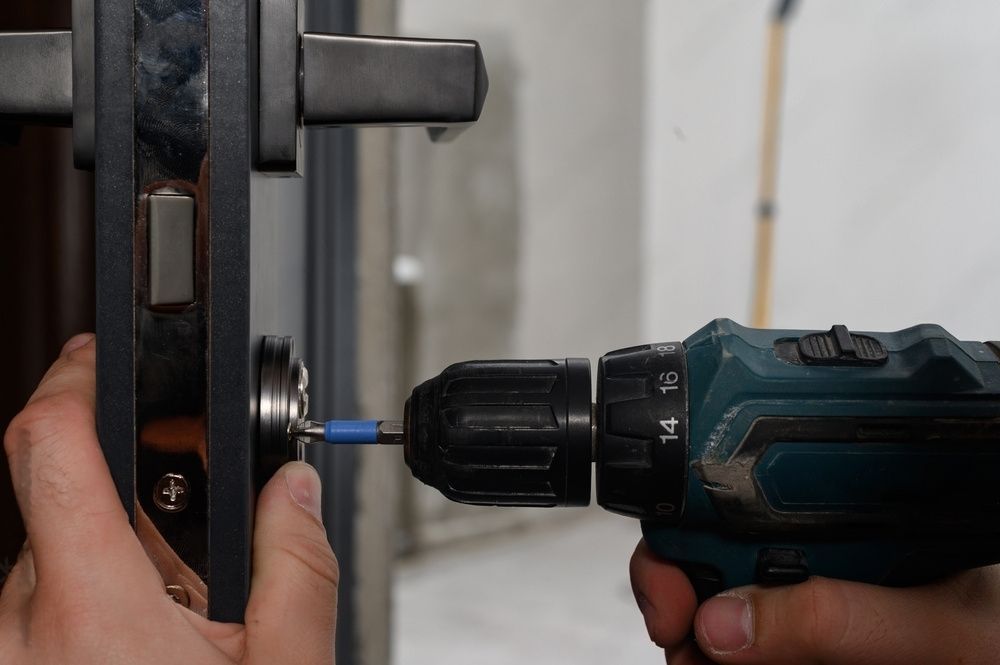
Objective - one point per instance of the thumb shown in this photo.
(832, 622)
(292, 611)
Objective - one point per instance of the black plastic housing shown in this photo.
(504, 433)
(642, 432)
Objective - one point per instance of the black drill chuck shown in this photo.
(506, 433)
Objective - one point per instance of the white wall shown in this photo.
(888, 196)
(527, 226)
(573, 86)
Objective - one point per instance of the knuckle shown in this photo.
(46, 418)
(34, 443)
(22, 430)
(26, 429)
(13, 436)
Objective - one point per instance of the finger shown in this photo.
(292, 611)
(687, 653)
(72, 512)
(20, 583)
(664, 595)
(76, 359)
(839, 623)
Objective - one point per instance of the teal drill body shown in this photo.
(872, 457)
(750, 456)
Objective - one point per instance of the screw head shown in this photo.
(303, 391)
(299, 403)
(172, 493)
(179, 594)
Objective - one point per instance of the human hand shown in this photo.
(84, 590)
(821, 621)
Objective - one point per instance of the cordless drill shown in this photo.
(750, 456)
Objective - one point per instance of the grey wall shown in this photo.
(527, 227)
(553, 166)
(888, 195)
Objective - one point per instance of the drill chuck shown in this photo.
(512, 433)
(524, 433)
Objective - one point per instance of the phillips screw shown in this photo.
(172, 493)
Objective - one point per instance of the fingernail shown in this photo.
(726, 624)
(305, 488)
(77, 342)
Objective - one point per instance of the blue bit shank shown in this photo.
(351, 431)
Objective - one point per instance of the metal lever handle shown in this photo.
(47, 78)
(36, 78)
(352, 80)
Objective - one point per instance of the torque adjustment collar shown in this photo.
(642, 431)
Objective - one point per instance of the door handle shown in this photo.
(36, 77)
(330, 80)
(47, 78)
(305, 79)
(352, 80)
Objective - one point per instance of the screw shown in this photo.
(303, 393)
(172, 493)
(178, 594)
(300, 401)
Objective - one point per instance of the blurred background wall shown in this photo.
(520, 240)
(887, 194)
(524, 230)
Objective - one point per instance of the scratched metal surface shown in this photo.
(171, 87)
(171, 157)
